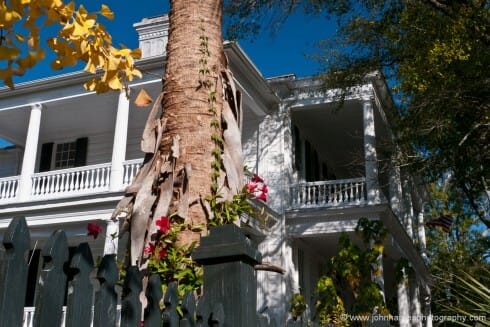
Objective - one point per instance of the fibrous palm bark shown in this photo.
(193, 149)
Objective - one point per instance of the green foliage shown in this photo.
(298, 305)
(172, 261)
(349, 276)
(458, 260)
(466, 295)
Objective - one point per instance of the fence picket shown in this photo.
(52, 282)
(13, 273)
(105, 308)
(153, 315)
(130, 304)
(171, 301)
(80, 296)
(188, 310)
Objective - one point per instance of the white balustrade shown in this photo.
(9, 187)
(328, 193)
(80, 180)
(130, 169)
(29, 316)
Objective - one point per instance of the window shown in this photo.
(65, 155)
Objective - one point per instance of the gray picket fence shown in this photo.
(227, 255)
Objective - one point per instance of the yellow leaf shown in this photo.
(136, 53)
(143, 99)
(106, 12)
(19, 37)
(7, 53)
(56, 64)
(115, 83)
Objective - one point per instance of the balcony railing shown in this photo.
(80, 180)
(29, 317)
(68, 182)
(8, 188)
(328, 193)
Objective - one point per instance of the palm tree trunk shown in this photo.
(194, 148)
(194, 54)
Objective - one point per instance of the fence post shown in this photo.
(80, 297)
(52, 282)
(13, 273)
(228, 258)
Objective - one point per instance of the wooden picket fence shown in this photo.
(227, 255)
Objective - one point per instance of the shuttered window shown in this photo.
(64, 155)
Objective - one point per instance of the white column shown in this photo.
(421, 232)
(415, 308)
(119, 145)
(426, 298)
(396, 194)
(403, 302)
(370, 157)
(30, 153)
(408, 206)
(111, 237)
(378, 275)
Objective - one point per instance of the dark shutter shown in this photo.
(81, 152)
(297, 148)
(308, 165)
(46, 154)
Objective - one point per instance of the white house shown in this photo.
(74, 152)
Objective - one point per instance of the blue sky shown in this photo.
(282, 52)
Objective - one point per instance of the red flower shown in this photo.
(164, 224)
(257, 179)
(162, 253)
(93, 229)
(261, 196)
(150, 248)
(264, 188)
(251, 187)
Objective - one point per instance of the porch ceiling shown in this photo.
(77, 116)
(337, 134)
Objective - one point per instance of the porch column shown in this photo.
(403, 301)
(421, 232)
(119, 145)
(111, 237)
(408, 205)
(30, 153)
(395, 187)
(378, 272)
(370, 157)
(426, 301)
(415, 308)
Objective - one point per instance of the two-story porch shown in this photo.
(340, 168)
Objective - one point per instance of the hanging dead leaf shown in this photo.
(143, 99)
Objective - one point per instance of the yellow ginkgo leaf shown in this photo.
(106, 12)
(143, 99)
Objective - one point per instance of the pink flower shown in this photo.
(261, 196)
(93, 229)
(164, 224)
(257, 179)
(150, 248)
